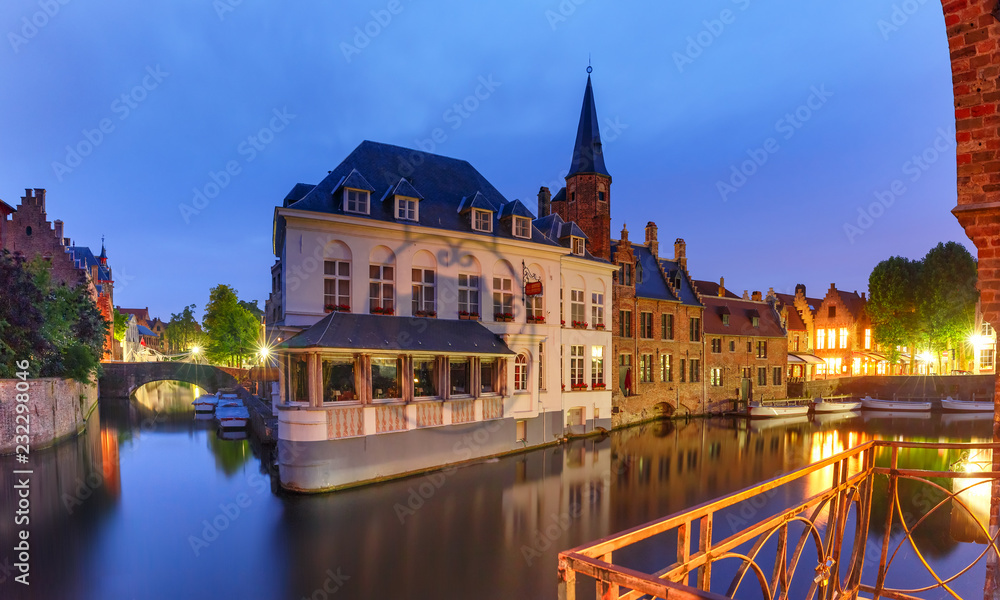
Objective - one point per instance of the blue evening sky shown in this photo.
(686, 93)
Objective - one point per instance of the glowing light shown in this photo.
(977, 340)
(925, 356)
(195, 350)
(264, 352)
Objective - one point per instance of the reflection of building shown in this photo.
(411, 296)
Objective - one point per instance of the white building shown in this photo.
(413, 330)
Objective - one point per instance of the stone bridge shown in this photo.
(121, 379)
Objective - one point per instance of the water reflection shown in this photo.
(158, 478)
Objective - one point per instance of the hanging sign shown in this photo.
(533, 288)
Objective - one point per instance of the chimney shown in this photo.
(680, 253)
(544, 202)
(862, 296)
(624, 234)
(58, 225)
(746, 295)
(755, 296)
(651, 242)
(40, 197)
(722, 287)
(800, 290)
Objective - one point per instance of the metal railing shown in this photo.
(825, 518)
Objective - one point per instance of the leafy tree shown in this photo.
(21, 318)
(183, 330)
(233, 331)
(72, 325)
(948, 295)
(253, 308)
(121, 325)
(893, 287)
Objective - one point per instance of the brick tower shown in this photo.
(587, 196)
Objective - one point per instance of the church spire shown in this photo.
(104, 253)
(587, 154)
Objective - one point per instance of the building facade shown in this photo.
(422, 319)
(843, 334)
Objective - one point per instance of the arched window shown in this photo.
(381, 285)
(521, 373)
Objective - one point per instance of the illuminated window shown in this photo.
(761, 349)
(868, 339)
(986, 358)
(831, 338)
(716, 377)
(665, 371)
(597, 365)
(820, 339)
(843, 337)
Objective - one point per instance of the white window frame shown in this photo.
(405, 206)
(597, 365)
(482, 220)
(577, 306)
(577, 245)
(382, 282)
(420, 287)
(471, 289)
(576, 364)
(521, 373)
(336, 277)
(597, 308)
(522, 228)
(534, 305)
(363, 197)
(503, 295)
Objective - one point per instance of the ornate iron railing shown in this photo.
(839, 512)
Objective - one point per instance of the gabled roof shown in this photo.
(571, 229)
(649, 282)
(553, 228)
(443, 182)
(297, 192)
(741, 313)
(6, 209)
(711, 288)
(143, 330)
(479, 201)
(139, 313)
(588, 156)
(853, 302)
(560, 195)
(398, 334)
(86, 256)
(403, 188)
(516, 209)
(795, 322)
(686, 291)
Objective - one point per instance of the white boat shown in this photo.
(770, 411)
(869, 403)
(205, 404)
(232, 417)
(951, 404)
(228, 403)
(835, 405)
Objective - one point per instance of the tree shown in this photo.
(253, 309)
(121, 325)
(183, 331)
(893, 286)
(21, 318)
(948, 295)
(232, 331)
(72, 326)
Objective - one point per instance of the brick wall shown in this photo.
(58, 408)
(30, 233)
(739, 360)
(592, 215)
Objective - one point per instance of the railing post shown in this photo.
(882, 567)
(684, 549)
(605, 589)
(705, 546)
(567, 582)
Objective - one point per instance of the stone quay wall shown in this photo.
(57, 409)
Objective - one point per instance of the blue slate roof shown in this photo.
(297, 192)
(478, 200)
(400, 334)
(403, 188)
(444, 182)
(516, 209)
(571, 229)
(86, 256)
(557, 230)
(143, 330)
(588, 156)
(651, 284)
(686, 292)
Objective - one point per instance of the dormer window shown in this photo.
(482, 220)
(356, 201)
(755, 321)
(576, 245)
(522, 227)
(406, 208)
(725, 320)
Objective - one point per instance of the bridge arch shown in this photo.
(120, 380)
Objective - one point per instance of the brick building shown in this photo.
(798, 316)
(746, 350)
(843, 334)
(30, 234)
(657, 348)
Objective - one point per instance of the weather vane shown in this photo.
(590, 69)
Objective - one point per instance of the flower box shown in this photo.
(599, 386)
(503, 317)
(337, 308)
(382, 311)
(599, 326)
(562, 322)
(426, 313)
(467, 316)
(579, 324)
(579, 387)
(536, 319)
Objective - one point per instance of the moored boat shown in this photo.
(954, 405)
(205, 403)
(835, 404)
(232, 417)
(770, 411)
(870, 403)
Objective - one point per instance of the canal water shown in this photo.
(150, 503)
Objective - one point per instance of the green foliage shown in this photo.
(56, 327)
(21, 318)
(183, 331)
(232, 331)
(893, 288)
(948, 295)
(253, 309)
(121, 325)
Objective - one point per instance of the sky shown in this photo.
(786, 141)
